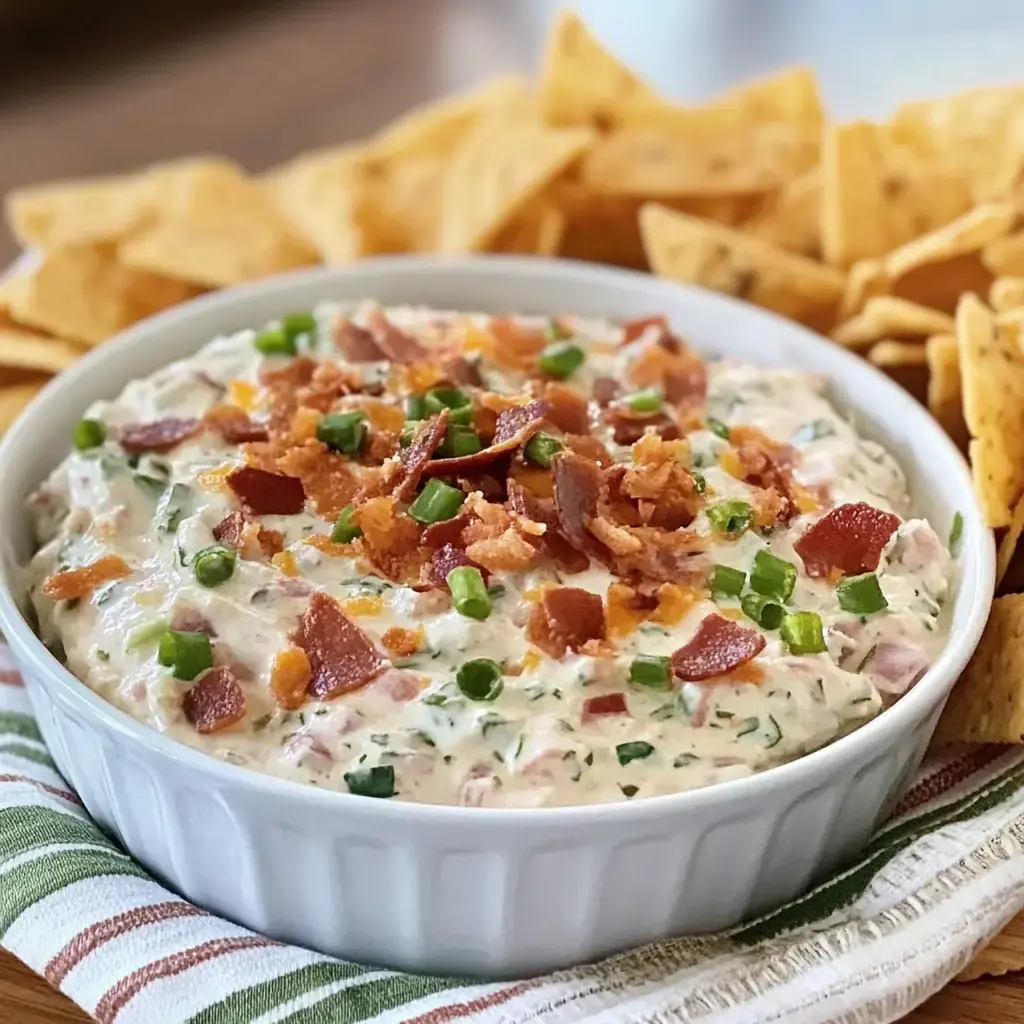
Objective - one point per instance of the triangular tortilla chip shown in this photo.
(889, 317)
(945, 390)
(583, 84)
(23, 349)
(500, 167)
(1006, 293)
(687, 249)
(992, 368)
(537, 231)
(216, 227)
(877, 195)
(791, 95)
(791, 217)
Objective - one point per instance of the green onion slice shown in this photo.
(186, 654)
(561, 359)
(767, 613)
(802, 633)
(343, 432)
(633, 751)
(89, 434)
(772, 576)
(651, 670)
(378, 781)
(861, 594)
(213, 565)
(345, 530)
(479, 679)
(436, 502)
(730, 517)
(541, 449)
(725, 580)
(469, 594)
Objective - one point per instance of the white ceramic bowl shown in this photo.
(471, 890)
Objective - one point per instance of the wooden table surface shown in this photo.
(261, 81)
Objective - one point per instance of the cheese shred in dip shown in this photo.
(637, 574)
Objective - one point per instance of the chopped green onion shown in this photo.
(725, 580)
(213, 565)
(90, 434)
(345, 530)
(274, 341)
(186, 654)
(730, 516)
(541, 449)
(147, 633)
(767, 613)
(629, 791)
(407, 434)
(772, 576)
(802, 633)
(651, 670)
(436, 502)
(479, 679)
(343, 432)
(649, 400)
(718, 427)
(861, 595)
(415, 408)
(469, 595)
(378, 781)
(633, 751)
(295, 325)
(955, 533)
(458, 441)
(699, 483)
(561, 359)
(458, 403)
(556, 331)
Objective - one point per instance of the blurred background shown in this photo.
(91, 87)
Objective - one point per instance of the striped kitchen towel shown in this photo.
(939, 880)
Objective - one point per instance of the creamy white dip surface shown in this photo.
(546, 727)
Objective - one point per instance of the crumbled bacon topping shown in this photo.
(234, 425)
(264, 493)
(566, 618)
(515, 427)
(719, 646)
(158, 436)
(391, 539)
(396, 345)
(424, 443)
(443, 560)
(848, 540)
(567, 408)
(330, 480)
(73, 584)
(355, 343)
(215, 701)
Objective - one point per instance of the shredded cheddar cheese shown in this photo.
(370, 604)
(286, 563)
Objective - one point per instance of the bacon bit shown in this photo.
(577, 485)
(515, 427)
(328, 383)
(849, 538)
(605, 390)
(717, 647)
(536, 481)
(81, 582)
(403, 643)
(444, 560)
(634, 329)
(769, 507)
(391, 539)
(229, 530)
(515, 346)
(323, 543)
(264, 494)
(589, 447)
(448, 531)
(271, 542)
(567, 408)
(330, 481)
(383, 415)
(282, 384)
(664, 492)
(244, 395)
(343, 658)
(233, 425)
(674, 602)
(367, 604)
(507, 553)
(664, 556)
(626, 609)
(618, 539)
(396, 345)
(214, 702)
(159, 436)
(629, 427)
(355, 343)
(566, 618)
(290, 674)
(497, 540)
(303, 424)
(285, 562)
(541, 509)
(766, 464)
(427, 439)
(606, 704)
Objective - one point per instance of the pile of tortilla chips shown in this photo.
(902, 240)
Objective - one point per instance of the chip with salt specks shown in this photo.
(582, 83)
(695, 251)
(215, 227)
(992, 370)
(499, 168)
(877, 195)
(790, 217)
(1006, 293)
(888, 317)
(945, 390)
(84, 294)
(987, 703)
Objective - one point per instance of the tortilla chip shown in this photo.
(905, 362)
(877, 195)
(791, 95)
(867, 279)
(215, 227)
(1006, 293)
(397, 203)
(695, 153)
(977, 133)
(77, 212)
(500, 167)
(22, 349)
(602, 229)
(1005, 256)
(992, 367)
(987, 703)
(1008, 544)
(583, 84)
(537, 231)
(14, 399)
(888, 317)
(685, 248)
(83, 294)
(790, 218)
(945, 392)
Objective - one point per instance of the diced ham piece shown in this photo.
(896, 667)
(515, 427)
(342, 657)
(355, 343)
(427, 439)
(447, 558)
(214, 701)
(606, 704)
(159, 436)
(264, 493)
(848, 539)
(719, 645)
(566, 618)
(78, 583)
(396, 345)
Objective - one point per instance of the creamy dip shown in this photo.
(140, 596)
